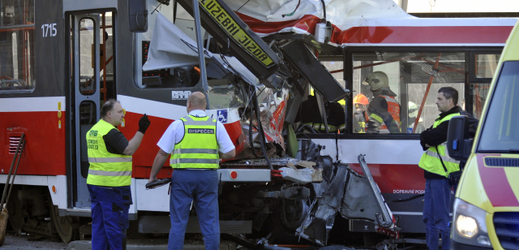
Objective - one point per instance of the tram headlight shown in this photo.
(469, 224)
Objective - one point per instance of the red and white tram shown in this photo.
(60, 59)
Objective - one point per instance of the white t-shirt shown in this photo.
(175, 132)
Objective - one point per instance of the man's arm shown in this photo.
(228, 155)
(134, 143)
(166, 144)
(116, 143)
(391, 124)
(224, 142)
(159, 161)
(375, 110)
(435, 136)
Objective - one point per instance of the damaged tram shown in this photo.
(62, 59)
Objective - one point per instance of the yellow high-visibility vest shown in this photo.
(199, 147)
(430, 160)
(106, 169)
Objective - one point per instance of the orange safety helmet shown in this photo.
(360, 99)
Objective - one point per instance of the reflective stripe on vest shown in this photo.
(115, 159)
(430, 160)
(108, 173)
(106, 169)
(199, 147)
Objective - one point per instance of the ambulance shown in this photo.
(486, 205)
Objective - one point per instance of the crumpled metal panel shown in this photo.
(321, 218)
(359, 201)
(348, 194)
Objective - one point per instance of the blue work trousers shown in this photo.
(109, 206)
(201, 187)
(436, 209)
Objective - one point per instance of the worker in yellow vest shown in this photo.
(196, 142)
(437, 165)
(109, 176)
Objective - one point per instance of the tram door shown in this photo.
(92, 77)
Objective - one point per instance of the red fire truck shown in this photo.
(61, 59)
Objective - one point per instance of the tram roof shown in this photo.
(370, 23)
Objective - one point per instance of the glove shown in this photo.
(144, 123)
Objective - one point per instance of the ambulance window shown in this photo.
(17, 46)
(500, 133)
(400, 88)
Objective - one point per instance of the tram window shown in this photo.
(336, 68)
(479, 96)
(87, 83)
(17, 46)
(106, 70)
(486, 65)
(413, 80)
(183, 70)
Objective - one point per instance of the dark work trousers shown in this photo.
(201, 187)
(436, 209)
(109, 206)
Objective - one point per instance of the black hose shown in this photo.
(251, 138)
(324, 10)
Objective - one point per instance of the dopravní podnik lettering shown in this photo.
(214, 9)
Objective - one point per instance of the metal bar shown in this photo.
(387, 220)
(10, 171)
(15, 171)
(322, 110)
(200, 45)
(426, 93)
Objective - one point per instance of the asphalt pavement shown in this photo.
(26, 242)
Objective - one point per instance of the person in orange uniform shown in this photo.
(384, 109)
(361, 117)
